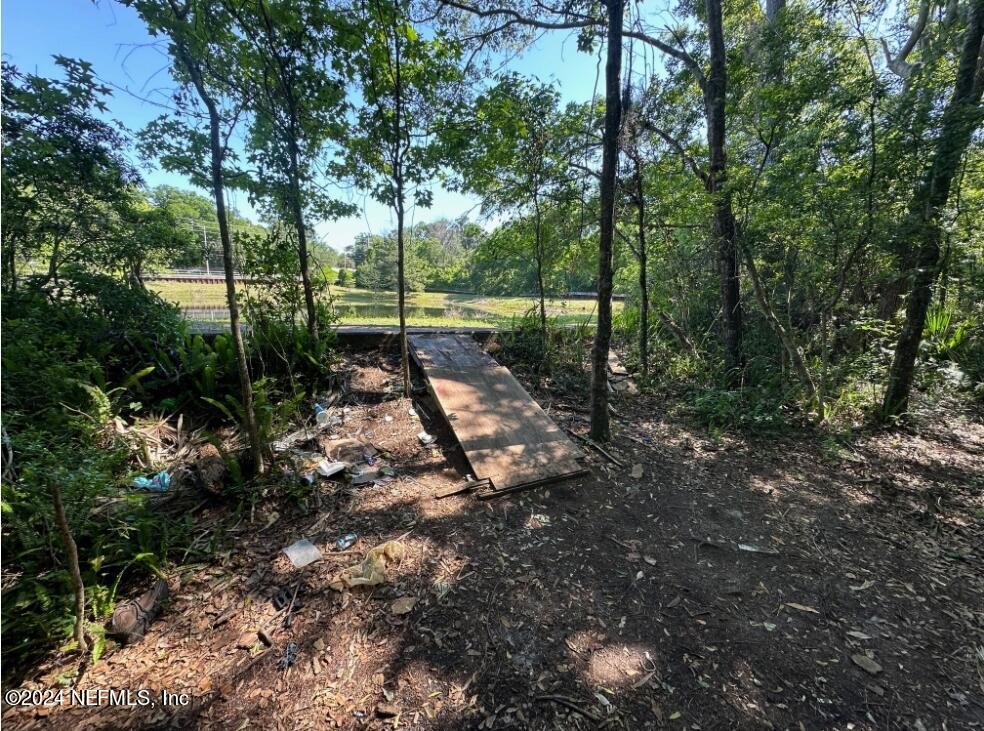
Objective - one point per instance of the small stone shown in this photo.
(867, 664)
(319, 644)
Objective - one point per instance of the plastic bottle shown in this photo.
(321, 415)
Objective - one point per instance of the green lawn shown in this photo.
(364, 307)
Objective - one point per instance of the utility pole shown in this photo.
(208, 269)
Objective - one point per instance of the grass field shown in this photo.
(364, 307)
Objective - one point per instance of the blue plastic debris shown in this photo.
(161, 482)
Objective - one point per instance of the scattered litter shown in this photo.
(131, 619)
(867, 664)
(285, 443)
(372, 571)
(426, 438)
(327, 469)
(365, 477)
(307, 478)
(161, 482)
(636, 471)
(388, 418)
(403, 605)
(289, 657)
(412, 413)
(302, 552)
(751, 548)
(321, 415)
(346, 541)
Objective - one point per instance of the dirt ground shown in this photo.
(703, 584)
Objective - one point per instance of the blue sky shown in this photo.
(115, 41)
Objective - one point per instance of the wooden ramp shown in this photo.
(504, 433)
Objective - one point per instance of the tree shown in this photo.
(514, 158)
(290, 78)
(408, 84)
(600, 429)
(636, 193)
(921, 228)
(63, 168)
(193, 29)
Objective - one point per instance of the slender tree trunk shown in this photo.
(53, 261)
(297, 210)
(643, 274)
(600, 429)
(724, 228)
(538, 237)
(218, 193)
(400, 215)
(922, 225)
(74, 571)
(12, 267)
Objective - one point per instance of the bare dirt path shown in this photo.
(772, 583)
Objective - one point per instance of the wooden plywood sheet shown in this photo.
(504, 433)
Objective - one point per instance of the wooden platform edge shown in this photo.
(493, 493)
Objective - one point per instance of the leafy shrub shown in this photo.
(62, 349)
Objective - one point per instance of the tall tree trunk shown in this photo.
(74, 571)
(400, 215)
(643, 273)
(12, 267)
(600, 429)
(724, 228)
(538, 239)
(921, 227)
(218, 193)
(297, 210)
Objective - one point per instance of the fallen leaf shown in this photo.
(802, 607)
(867, 664)
(403, 605)
(675, 715)
(858, 635)
(861, 587)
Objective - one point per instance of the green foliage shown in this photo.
(561, 357)
(63, 348)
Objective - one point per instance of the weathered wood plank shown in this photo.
(504, 433)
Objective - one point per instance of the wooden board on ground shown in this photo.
(504, 433)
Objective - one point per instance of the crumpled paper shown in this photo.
(372, 570)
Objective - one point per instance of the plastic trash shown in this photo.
(426, 438)
(161, 482)
(302, 552)
(327, 469)
(289, 657)
(346, 541)
(321, 416)
(307, 478)
(366, 477)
